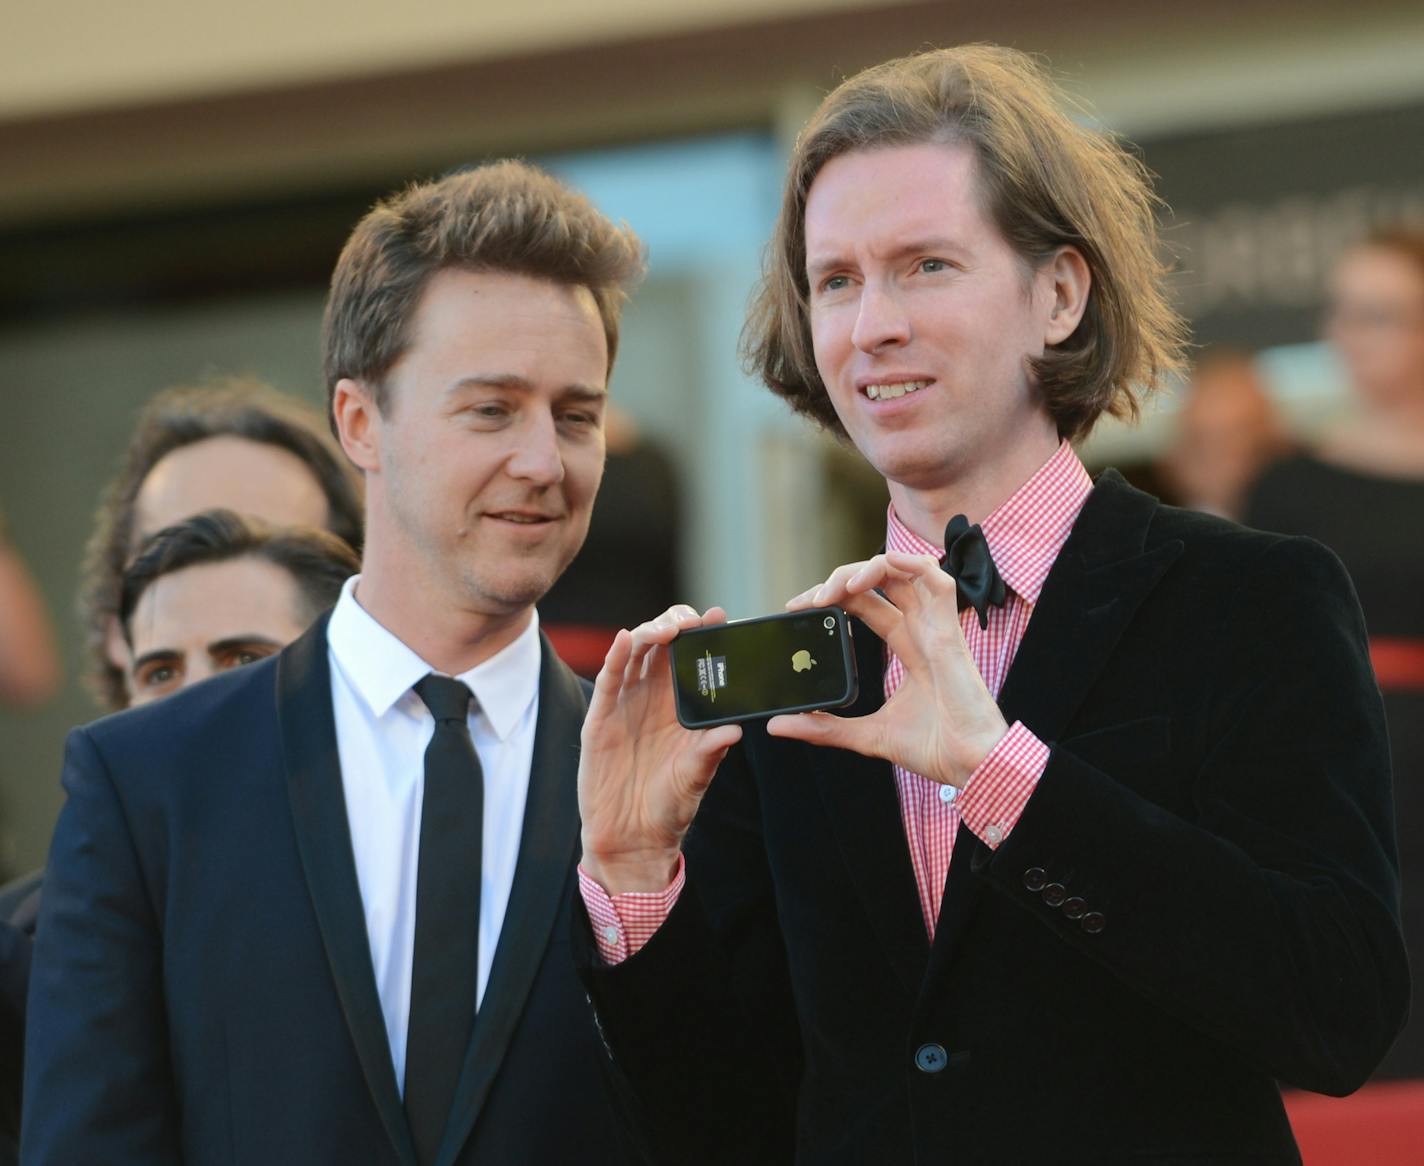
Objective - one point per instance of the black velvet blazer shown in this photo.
(1200, 899)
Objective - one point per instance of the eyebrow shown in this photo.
(218, 647)
(151, 657)
(822, 264)
(510, 380)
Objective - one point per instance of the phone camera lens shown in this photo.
(829, 623)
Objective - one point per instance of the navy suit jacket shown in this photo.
(202, 988)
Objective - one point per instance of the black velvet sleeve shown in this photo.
(699, 1024)
(1268, 917)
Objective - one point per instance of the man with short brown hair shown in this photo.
(315, 910)
(1105, 846)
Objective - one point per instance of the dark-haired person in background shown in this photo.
(1227, 429)
(212, 593)
(230, 442)
(1360, 491)
(317, 910)
(220, 590)
(233, 443)
(1091, 863)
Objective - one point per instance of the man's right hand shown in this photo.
(641, 774)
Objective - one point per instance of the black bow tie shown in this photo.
(968, 562)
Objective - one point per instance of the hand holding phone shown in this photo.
(641, 773)
(941, 721)
(794, 662)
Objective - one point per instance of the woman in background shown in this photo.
(1361, 493)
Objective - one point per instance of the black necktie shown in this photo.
(447, 915)
(967, 559)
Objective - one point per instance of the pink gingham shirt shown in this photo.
(1024, 535)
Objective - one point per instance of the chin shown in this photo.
(510, 593)
(915, 469)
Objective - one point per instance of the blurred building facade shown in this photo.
(176, 180)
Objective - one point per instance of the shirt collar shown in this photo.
(381, 668)
(1026, 532)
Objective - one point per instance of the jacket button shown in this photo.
(1074, 907)
(1094, 922)
(930, 1058)
(1054, 894)
(1035, 878)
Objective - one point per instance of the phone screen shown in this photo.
(752, 668)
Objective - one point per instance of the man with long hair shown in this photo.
(1105, 847)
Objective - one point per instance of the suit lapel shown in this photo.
(318, 801)
(1096, 586)
(547, 848)
(861, 802)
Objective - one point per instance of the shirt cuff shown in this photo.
(622, 924)
(994, 797)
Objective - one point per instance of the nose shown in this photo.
(537, 457)
(881, 321)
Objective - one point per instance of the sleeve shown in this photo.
(14, 981)
(997, 793)
(700, 1028)
(1265, 912)
(99, 1085)
(623, 924)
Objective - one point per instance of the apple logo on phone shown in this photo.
(801, 661)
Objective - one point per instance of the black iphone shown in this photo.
(753, 668)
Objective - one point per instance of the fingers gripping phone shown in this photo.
(753, 668)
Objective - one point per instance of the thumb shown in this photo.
(858, 734)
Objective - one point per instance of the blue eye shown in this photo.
(933, 265)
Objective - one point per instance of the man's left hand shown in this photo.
(941, 722)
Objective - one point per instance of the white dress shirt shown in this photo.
(382, 729)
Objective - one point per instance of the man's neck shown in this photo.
(976, 492)
(451, 637)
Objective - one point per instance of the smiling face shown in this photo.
(923, 318)
(482, 472)
(198, 621)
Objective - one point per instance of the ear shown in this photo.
(358, 423)
(1070, 282)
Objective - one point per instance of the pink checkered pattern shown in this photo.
(622, 924)
(1024, 535)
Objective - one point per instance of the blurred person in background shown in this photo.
(635, 520)
(220, 590)
(233, 443)
(317, 909)
(215, 592)
(29, 663)
(1227, 429)
(1360, 491)
(230, 442)
(29, 675)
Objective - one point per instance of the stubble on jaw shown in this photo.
(507, 592)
